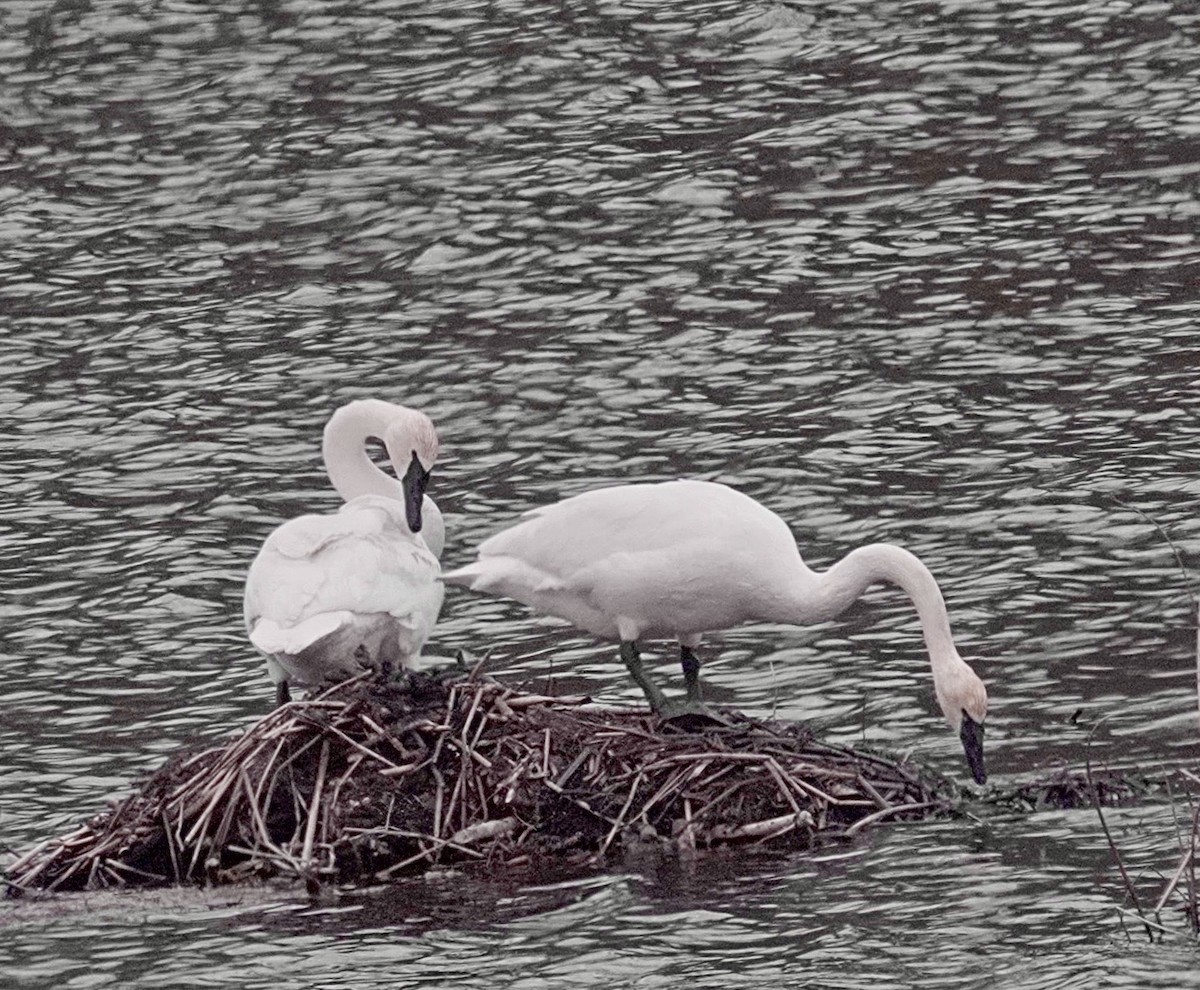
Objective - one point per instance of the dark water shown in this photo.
(917, 272)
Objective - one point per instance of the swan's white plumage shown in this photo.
(674, 559)
(677, 559)
(330, 594)
(321, 585)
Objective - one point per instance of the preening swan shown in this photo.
(677, 559)
(330, 594)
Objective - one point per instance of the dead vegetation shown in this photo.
(367, 782)
(1180, 892)
(1066, 788)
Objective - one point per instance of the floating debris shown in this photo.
(1066, 788)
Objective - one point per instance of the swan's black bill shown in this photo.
(971, 734)
(415, 481)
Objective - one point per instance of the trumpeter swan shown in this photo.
(330, 594)
(677, 559)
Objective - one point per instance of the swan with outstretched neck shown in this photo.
(330, 595)
(677, 559)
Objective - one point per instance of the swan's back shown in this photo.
(578, 531)
(671, 557)
(358, 571)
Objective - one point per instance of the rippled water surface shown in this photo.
(923, 272)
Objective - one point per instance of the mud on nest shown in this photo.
(368, 781)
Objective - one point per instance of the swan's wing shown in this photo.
(672, 558)
(551, 543)
(360, 560)
(561, 539)
(558, 552)
(664, 592)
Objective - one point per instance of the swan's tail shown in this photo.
(334, 645)
(273, 638)
(464, 577)
(506, 576)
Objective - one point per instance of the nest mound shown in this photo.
(368, 781)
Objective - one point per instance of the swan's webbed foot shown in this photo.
(282, 694)
(690, 715)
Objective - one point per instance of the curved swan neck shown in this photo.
(828, 594)
(343, 447)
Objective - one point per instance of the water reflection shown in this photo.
(911, 273)
(847, 917)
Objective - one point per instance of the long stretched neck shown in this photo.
(344, 449)
(825, 595)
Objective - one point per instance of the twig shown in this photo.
(438, 845)
(1184, 862)
(264, 836)
(1194, 913)
(116, 864)
(492, 829)
(1157, 926)
(1129, 888)
(361, 748)
(867, 786)
(525, 700)
(1161, 532)
(769, 828)
(686, 839)
(311, 830)
(170, 839)
(620, 819)
(437, 802)
(883, 813)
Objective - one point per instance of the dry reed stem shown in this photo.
(484, 830)
(310, 830)
(620, 818)
(878, 816)
(767, 829)
(1130, 889)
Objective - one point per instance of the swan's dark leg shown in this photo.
(691, 672)
(390, 658)
(282, 694)
(633, 663)
(388, 654)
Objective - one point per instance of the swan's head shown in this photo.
(963, 700)
(412, 446)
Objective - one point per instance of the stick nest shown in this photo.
(369, 781)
